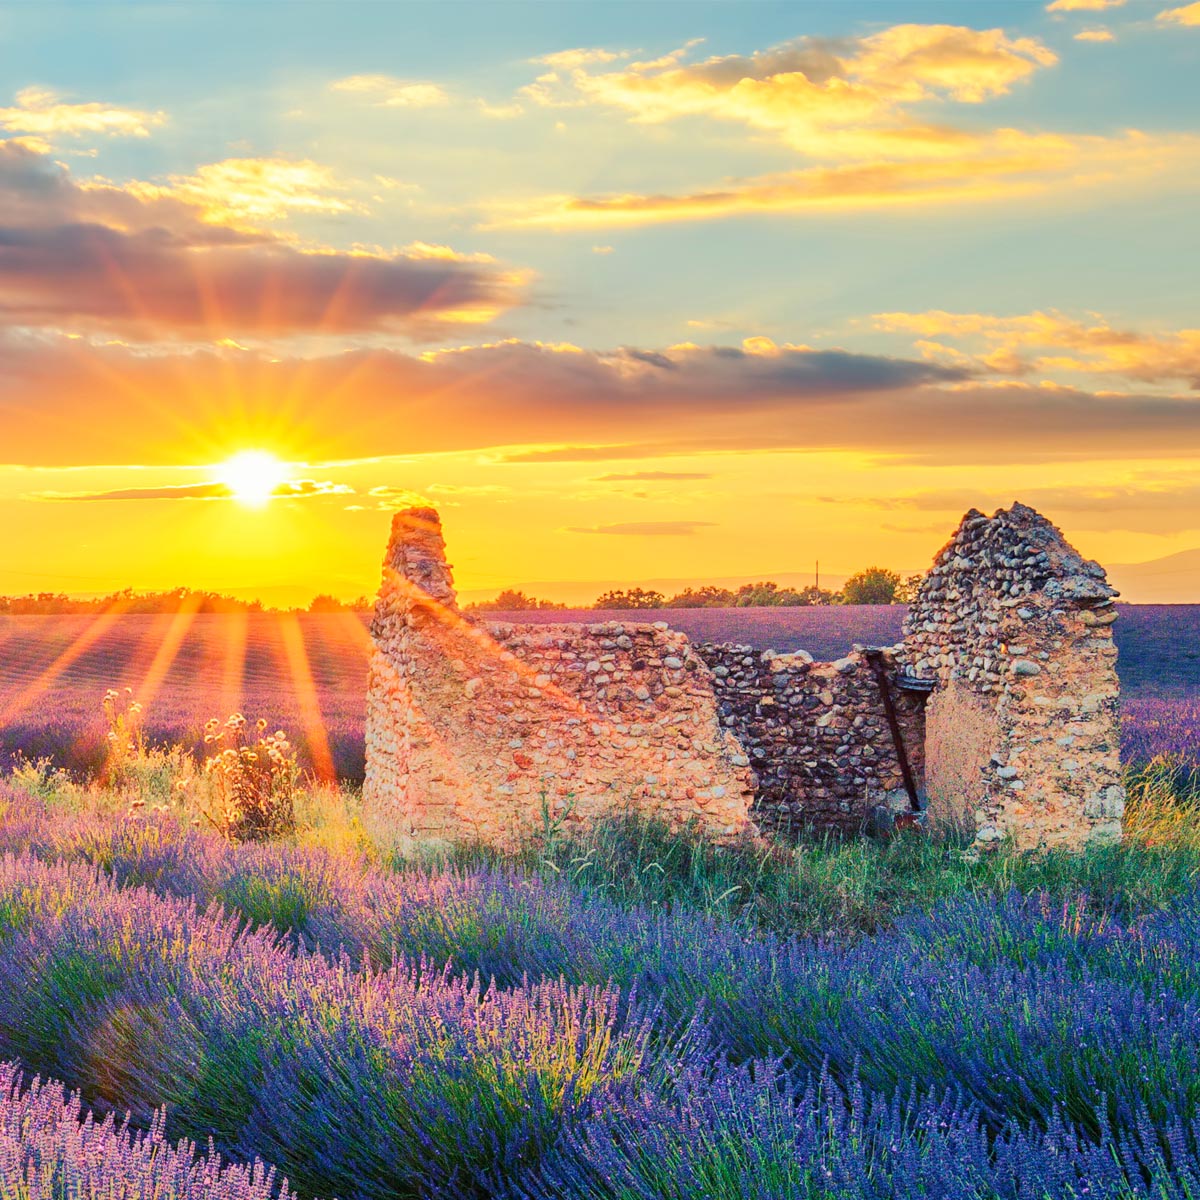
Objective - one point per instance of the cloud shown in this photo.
(1188, 14)
(393, 499)
(258, 189)
(501, 112)
(467, 489)
(646, 528)
(843, 98)
(388, 92)
(652, 475)
(986, 168)
(1095, 35)
(1052, 341)
(190, 491)
(559, 454)
(867, 116)
(40, 111)
(298, 489)
(1149, 503)
(566, 60)
(151, 264)
(527, 403)
(292, 490)
(1083, 5)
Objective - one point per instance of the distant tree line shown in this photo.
(129, 601)
(875, 585)
(512, 601)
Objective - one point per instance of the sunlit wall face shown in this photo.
(696, 295)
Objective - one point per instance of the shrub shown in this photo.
(253, 780)
(125, 737)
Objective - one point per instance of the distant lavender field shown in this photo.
(308, 673)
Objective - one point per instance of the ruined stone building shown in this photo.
(997, 713)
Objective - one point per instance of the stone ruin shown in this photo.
(997, 713)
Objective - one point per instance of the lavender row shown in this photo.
(353, 1083)
(369, 1085)
(1024, 1006)
(750, 1134)
(51, 1148)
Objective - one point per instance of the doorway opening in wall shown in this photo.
(895, 819)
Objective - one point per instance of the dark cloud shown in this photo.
(550, 404)
(153, 267)
(646, 528)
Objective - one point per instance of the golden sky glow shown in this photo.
(709, 295)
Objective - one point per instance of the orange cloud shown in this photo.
(152, 264)
(389, 92)
(646, 528)
(41, 112)
(1189, 14)
(1146, 502)
(536, 403)
(1047, 342)
(296, 489)
(1095, 35)
(1005, 164)
(651, 476)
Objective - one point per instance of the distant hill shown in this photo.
(1174, 579)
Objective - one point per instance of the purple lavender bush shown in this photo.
(750, 1133)
(52, 1149)
(356, 1083)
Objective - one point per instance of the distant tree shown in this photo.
(816, 596)
(323, 603)
(767, 594)
(126, 601)
(708, 596)
(631, 598)
(511, 600)
(875, 585)
(907, 591)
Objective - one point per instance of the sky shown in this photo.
(628, 292)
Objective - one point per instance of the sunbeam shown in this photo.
(292, 638)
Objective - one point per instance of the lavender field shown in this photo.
(482, 1031)
(308, 672)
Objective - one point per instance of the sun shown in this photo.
(252, 476)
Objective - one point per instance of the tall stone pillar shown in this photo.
(1022, 729)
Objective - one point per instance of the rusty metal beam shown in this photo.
(874, 656)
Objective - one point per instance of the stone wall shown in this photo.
(490, 731)
(1022, 728)
(817, 735)
(487, 732)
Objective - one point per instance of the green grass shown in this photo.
(852, 886)
(827, 886)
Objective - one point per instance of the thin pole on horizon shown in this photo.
(817, 576)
